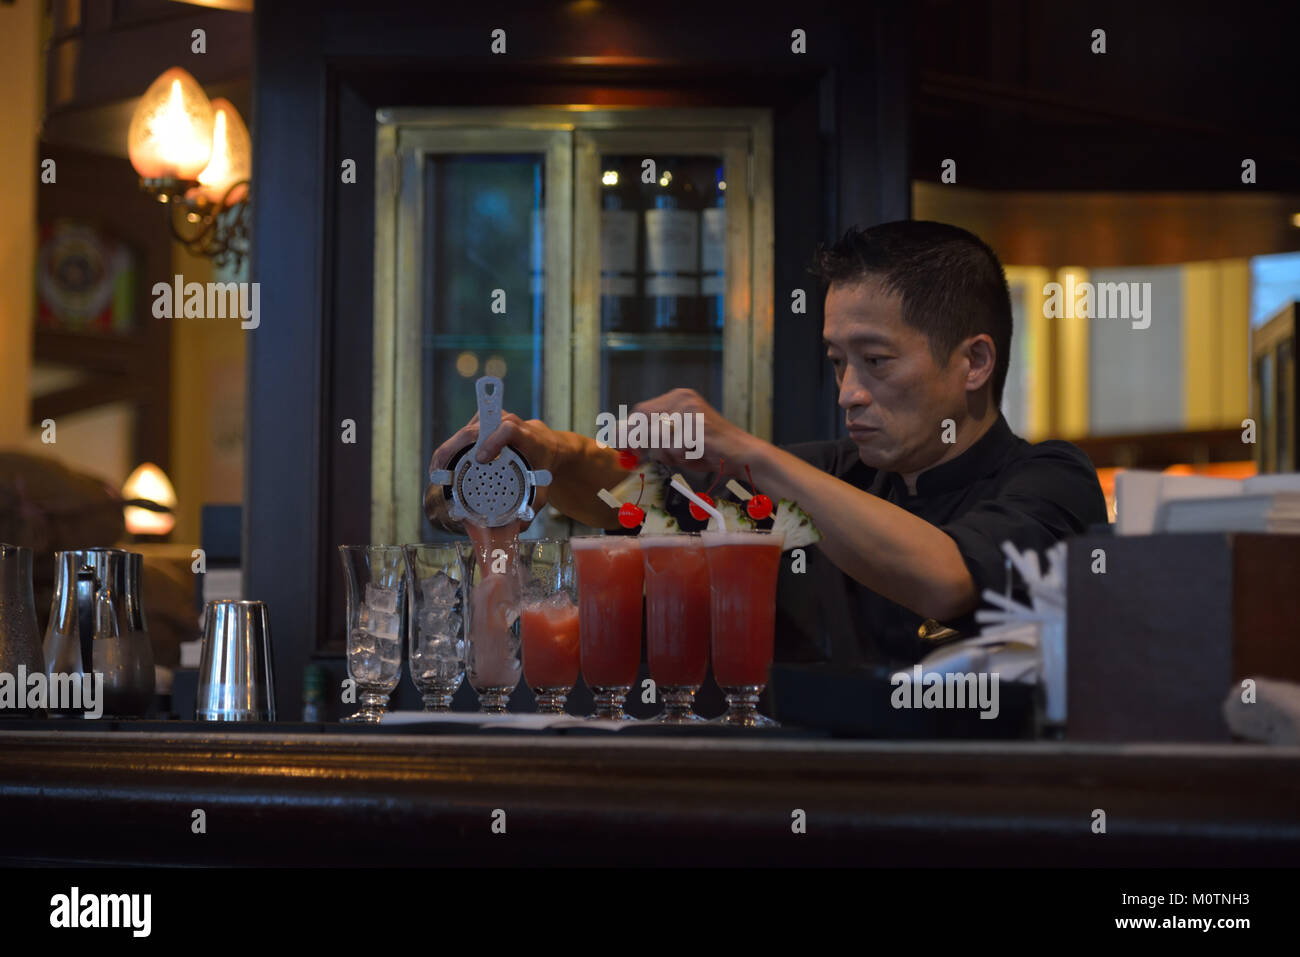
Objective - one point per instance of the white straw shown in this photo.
(1027, 572)
(608, 498)
(685, 490)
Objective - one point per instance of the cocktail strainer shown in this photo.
(492, 493)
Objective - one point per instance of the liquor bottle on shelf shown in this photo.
(620, 299)
(672, 247)
(713, 253)
(314, 679)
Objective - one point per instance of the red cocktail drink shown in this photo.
(610, 579)
(548, 622)
(677, 619)
(743, 570)
(550, 637)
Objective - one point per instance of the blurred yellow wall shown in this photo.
(207, 407)
(20, 110)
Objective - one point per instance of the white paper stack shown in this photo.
(1279, 512)
(1150, 502)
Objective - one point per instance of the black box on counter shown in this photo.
(1161, 627)
(863, 703)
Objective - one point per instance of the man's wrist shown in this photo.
(568, 449)
(761, 458)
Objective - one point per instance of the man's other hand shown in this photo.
(714, 440)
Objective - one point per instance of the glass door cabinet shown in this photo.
(589, 258)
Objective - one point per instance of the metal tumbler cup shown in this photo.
(235, 677)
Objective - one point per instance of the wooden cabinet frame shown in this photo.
(571, 140)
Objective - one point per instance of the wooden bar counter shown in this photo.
(288, 794)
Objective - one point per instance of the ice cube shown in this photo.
(440, 648)
(390, 652)
(364, 665)
(381, 599)
(362, 641)
(438, 621)
(438, 590)
(385, 625)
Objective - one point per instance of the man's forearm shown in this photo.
(581, 470)
(886, 548)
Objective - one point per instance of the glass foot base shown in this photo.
(551, 700)
(372, 705)
(609, 703)
(742, 709)
(679, 702)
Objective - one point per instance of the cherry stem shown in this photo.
(751, 479)
(722, 464)
(642, 492)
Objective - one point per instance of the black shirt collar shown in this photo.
(981, 459)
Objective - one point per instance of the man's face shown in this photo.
(893, 393)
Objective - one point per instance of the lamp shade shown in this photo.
(231, 159)
(171, 129)
(149, 483)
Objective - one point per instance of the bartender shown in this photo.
(914, 505)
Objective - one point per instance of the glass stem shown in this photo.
(437, 700)
(551, 700)
(609, 703)
(679, 701)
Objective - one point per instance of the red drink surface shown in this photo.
(742, 585)
(550, 640)
(676, 609)
(610, 578)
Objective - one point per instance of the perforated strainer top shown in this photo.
(492, 489)
(491, 493)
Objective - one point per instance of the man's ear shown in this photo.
(981, 355)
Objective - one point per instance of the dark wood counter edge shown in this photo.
(415, 799)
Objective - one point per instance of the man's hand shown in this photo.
(541, 445)
(715, 439)
(533, 439)
(578, 467)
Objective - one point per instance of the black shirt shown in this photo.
(1001, 488)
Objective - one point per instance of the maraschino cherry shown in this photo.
(697, 513)
(630, 514)
(628, 459)
(760, 506)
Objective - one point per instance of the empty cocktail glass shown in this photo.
(610, 579)
(435, 624)
(677, 618)
(548, 618)
(743, 569)
(376, 583)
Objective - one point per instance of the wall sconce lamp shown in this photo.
(149, 503)
(196, 157)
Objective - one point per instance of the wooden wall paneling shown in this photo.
(286, 482)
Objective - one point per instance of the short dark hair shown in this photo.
(951, 283)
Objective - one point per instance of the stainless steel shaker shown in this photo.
(71, 627)
(236, 681)
(20, 638)
(97, 624)
(121, 648)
